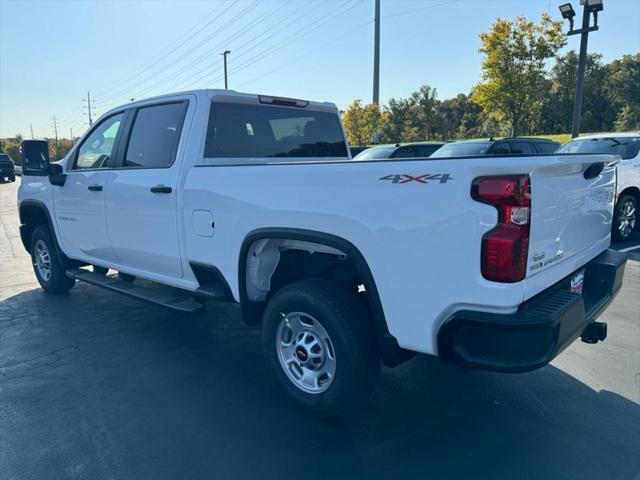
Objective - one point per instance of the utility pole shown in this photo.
(71, 132)
(588, 7)
(224, 55)
(31, 126)
(88, 107)
(55, 129)
(376, 55)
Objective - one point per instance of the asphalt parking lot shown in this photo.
(97, 386)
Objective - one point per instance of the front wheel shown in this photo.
(47, 263)
(625, 216)
(319, 343)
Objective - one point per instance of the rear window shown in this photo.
(4, 158)
(462, 149)
(626, 147)
(261, 131)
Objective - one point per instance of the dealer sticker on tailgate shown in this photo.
(577, 282)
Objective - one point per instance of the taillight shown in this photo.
(505, 248)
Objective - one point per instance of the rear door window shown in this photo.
(500, 148)
(155, 135)
(405, 152)
(522, 148)
(265, 131)
(426, 150)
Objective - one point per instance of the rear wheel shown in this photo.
(625, 217)
(319, 343)
(47, 264)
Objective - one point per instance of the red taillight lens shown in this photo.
(505, 247)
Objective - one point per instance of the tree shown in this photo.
(598, 112)
(397, 112)
(363, 123)
(513, 70)
(628, 119)
(622, 87)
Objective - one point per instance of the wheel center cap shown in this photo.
(301, 354)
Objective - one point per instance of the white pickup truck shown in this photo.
(489, 262)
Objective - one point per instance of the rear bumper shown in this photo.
(541, 328)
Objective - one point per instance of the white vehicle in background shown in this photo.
(627, 145)
(496, 263)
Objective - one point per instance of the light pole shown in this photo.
(376, 54)
(224, 55)
(567, 11)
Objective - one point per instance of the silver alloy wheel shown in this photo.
(305, 352)
(43, 260)
(626, 219)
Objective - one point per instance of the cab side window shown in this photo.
(522, 148)
(500, 148)
(99, 147)
(155, 135)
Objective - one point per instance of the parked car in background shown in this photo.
(406, 150)
(7, 168)
(627, 145)
(504, 146)
(357, 150)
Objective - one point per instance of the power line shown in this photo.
(163, 55)
(198, 75)
(152, 76)
(279, 68)
(297, 35)
(419, 9)
(208, 54)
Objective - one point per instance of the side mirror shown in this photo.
(56, 174)
(35, 154)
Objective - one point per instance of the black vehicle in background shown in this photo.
(406, 150)
(7, 168)
(504, 146)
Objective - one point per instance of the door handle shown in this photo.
(160, 189)
(95, 188)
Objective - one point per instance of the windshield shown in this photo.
(375, 153)
(626, 147)
(462, 149)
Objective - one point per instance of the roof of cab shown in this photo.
(227, 96)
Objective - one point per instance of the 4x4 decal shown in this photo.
(405, 178)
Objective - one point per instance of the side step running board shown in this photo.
(172, 298)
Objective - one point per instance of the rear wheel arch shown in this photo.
(392, 354)
(633, 191)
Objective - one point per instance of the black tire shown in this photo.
(100, 270)
(57, 281)
(355, 352)
(624, 231)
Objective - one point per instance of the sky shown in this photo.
(52, 53)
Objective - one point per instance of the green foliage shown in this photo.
(513, 70)
(11, 146)
(363, 123)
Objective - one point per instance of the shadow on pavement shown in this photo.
(98, 386)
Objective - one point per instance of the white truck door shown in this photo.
(141, 195)
(80, 204)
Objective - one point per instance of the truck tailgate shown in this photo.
(571, 210)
